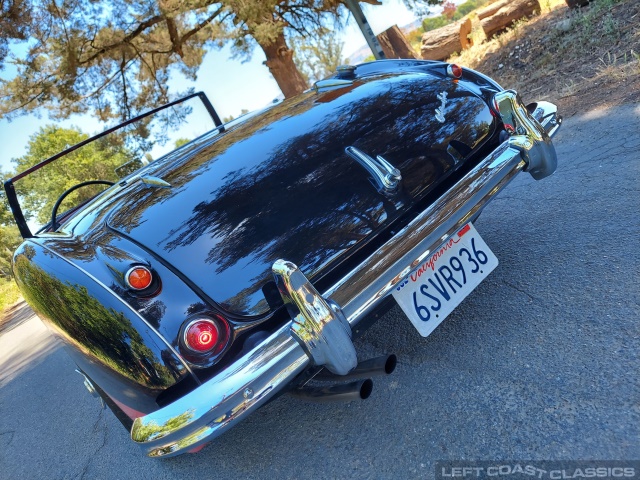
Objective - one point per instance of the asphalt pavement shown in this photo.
(540, 362)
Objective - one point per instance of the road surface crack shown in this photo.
(531, 297)
(96, 427)
(10, 434)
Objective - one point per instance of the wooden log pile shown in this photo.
(441, 43)
(395, 45)
(496, 17)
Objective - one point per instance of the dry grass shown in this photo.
(572, 57)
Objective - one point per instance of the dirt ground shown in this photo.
(579, 59)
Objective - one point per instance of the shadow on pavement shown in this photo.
(15, 316)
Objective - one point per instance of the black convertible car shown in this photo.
(240, 266)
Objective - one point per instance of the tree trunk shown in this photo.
(284, 71)
(508, 13)
(395, 45)
(441, 43)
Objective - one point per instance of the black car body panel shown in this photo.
(107, 339)
(355, 181)
(283, 185)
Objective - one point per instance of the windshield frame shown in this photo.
(9, 186)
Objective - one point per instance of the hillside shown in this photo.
(576, 58)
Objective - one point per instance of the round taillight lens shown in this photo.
(454, 70)
(201, 336)
(139, 278)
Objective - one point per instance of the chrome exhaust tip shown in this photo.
(384, 365)
(346, 392)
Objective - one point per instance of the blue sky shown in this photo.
(231, 85)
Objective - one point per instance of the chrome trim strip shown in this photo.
(359, 290)
(154, 182)
(88, 384)
(250, 381)
(330, 83)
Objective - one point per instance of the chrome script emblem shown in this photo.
(440, 111)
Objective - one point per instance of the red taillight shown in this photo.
(139, 278)
(495, 108)
(454, 70)
(201, 335)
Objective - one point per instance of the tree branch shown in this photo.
(200, 26)
(127, 39)
(123, 66)
(173, 36)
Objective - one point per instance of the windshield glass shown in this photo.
(51, 181)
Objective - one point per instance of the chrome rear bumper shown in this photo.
(248, 383)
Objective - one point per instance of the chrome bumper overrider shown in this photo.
(319, 332)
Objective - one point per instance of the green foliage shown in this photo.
(596, 22)
(318, 56)
(232, 117)
(9, 293)
(181, 141)
(431, 23)
(111, 58)
(84, 319)
(115, 58)
(469, 6)
(96, 161)
(9, 240)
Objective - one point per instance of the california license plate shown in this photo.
(436, 287)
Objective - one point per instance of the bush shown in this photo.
(9, 294)
(431, 23)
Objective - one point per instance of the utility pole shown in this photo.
(361, 20)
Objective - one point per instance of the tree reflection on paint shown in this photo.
(87, 324)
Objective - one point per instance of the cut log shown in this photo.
(395, 45)
(465, 30)
(441, 43)
(507, 14)
(492, 9)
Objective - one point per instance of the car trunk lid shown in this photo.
(282, 185)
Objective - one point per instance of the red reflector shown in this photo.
(464, 230)
(454, 70)
(201, 335)
(139, 278)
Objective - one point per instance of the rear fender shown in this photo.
(107, 339)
